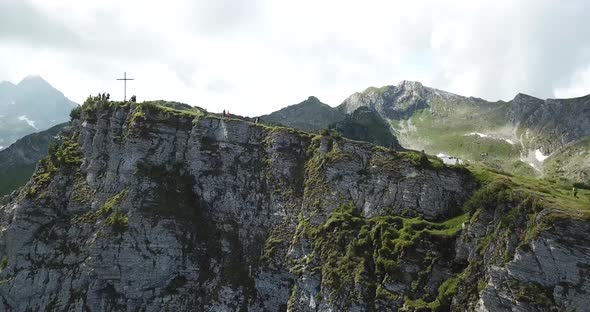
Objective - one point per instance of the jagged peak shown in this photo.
(409, 84)
(521, 96)
(402, 85)
(377, 90)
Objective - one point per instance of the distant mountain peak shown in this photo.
(524, 97)
(31, 105)
(34, 79)
(312, 98)
(310, 114)
(6, 83)
(29, 77)
(408, 84)
(404, 85)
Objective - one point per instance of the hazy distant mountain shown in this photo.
(30, 106)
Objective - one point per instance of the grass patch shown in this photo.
(3, 263)
(356, 254)
(118, 221)
(65, 156)
(446, 291)
(556, 198)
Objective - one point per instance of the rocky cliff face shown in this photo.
(146, 208)
(551, 271)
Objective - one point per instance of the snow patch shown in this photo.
(481, 135)
(449, 160)
(30, 122)
(532, 165)
(1, 147)
(539, 155)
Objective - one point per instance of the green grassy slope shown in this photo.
(464, 130)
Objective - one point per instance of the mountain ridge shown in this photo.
(510, 133)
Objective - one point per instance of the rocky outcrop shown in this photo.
(522, 257)
(551, 271)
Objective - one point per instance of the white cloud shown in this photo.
(577, 86)
(253, 57)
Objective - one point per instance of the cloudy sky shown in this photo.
(256, 56)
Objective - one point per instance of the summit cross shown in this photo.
(125, 85)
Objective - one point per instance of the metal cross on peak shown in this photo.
(125, 85)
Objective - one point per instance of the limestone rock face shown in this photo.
(553, 270)
(144, 208)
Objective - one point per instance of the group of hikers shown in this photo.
(103, 96)
(107, 96)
